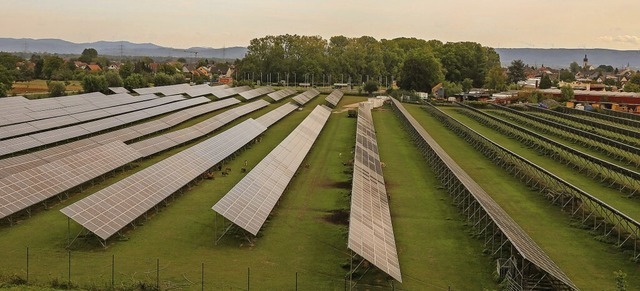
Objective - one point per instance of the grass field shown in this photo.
(39, 87)
(589, 263)
(306, 234)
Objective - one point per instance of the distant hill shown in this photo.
(561, 58)
(114, 48)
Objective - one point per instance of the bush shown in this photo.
(371, 86)
(162, 79)
(57, 89)
(95, 83)
(134, 81)
(114, 79)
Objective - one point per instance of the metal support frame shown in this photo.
(600, 215)
(493, 238)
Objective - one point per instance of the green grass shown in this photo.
(589, 263)
(434, 247)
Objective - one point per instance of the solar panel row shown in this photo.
(64, 120)
(164, 90)
(18, 115)
(249, 202)
(16, 164)
(230, 91)
(110, 209)
(306, 96)
(166, 141)
(21, 143)
(118, 90)
(30, 187)
(256, 92)
(274, 115)
(334, 97)
(204, 89)
(281, 94)
(370, 229)
(50, 103)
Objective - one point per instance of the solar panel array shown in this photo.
(274, 115)
(110, 209)
(27, 188)
(21, 143)
(204, 89)
(118, 90)
(164, 90)
(256, 92)
(21, 106)
(228, 92)
(281, 94)
(20, 114)
(249, 202)
(334, 97)
(306, 96)
(16, 164)
(166, 141)
(370, 229)
(64, 120)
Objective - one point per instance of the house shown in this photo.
(113, 66)
(80, 65)
(93, 68)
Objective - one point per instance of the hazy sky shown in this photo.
(611, 24)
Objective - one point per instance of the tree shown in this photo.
(370, 87)
(88, 55)
(113, 79)
(545, 82)
(516, 72)
(182, 60)
(6, 78)
(420, 71)
(631, 87)
(94, 83)
(3, 90)
(574, 67)
(162, 79)
(567, 76)
(467, 84)
(57, 89)
(566, 93)
(51, 65)
(178, 78)
(496, 80)
(126, 69)
(134, 81)
(451, 88)
(635, 79)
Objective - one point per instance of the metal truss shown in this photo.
(517, 270)
(617, 177)
(599, 216)
(570, 115)
(615, 149)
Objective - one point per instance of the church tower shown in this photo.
(585, 62)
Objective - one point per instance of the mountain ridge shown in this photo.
(550, 57)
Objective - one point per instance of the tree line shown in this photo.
(415, 64)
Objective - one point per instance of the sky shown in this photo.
(612, 24)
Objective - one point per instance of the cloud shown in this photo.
(632, 39)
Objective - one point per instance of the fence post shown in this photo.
(69, 269)
(248, 278)
(27, 281)
(296, 281)
(202, 277)
(113, 270)
(158, 273)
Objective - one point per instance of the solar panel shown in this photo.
(256, 92)
(249, 202)
(334, 97)
(306, 96)
(370, 229)
(274, 115)
(118, 90)
(110, 209)
(13, 145)
(230, 91)
(166, 141)
(38, 184)
(281, 94)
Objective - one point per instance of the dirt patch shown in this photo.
(339, 217)
(347, 107)
(342, 185)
